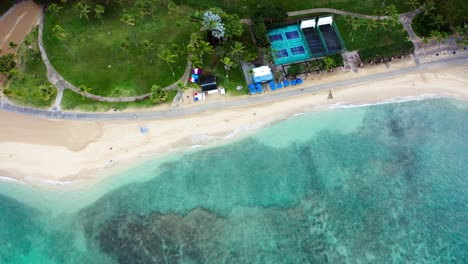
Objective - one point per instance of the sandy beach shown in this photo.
(40, 151)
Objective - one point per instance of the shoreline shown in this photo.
(86, 152)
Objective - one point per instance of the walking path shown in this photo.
(61, 84)
(406, 20)
(333, 11)
(270, 97)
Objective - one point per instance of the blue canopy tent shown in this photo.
(259, 87)
(252, 89)
(272, 85)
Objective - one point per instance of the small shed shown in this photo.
(262, 74)
(208, 83)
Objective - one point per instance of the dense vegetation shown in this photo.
(27, 83)
(387, 51)
(440, 17)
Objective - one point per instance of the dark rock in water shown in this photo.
(156, 238)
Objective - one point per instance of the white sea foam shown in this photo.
(52, 182)
(7, 179)
(395, 100)
(298, 114)
(243, 128)
(196, 146)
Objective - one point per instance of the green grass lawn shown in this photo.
(5, 5)
(245, 7)
(102, 64)
(33, 73)
(74, 101)
(375, 37)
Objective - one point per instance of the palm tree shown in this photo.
(85, 89)
(7, 63)
(145, 7)
(413, 3)
(98, 12)
(237, 50)
(227, 65)
(54, 9)
(438, 20)
(437, 36)
(82, 9)
(63, 36)
(147, 46)
(383, 23)
(158, 94)
(370, 25)
(428, 7)
(355, 24)
(391, 10)
(121, 4)
(329, 63)
(169, 57)
(171, 7)
(129, 21)
(45, 91)
(205, 48)
(15, 75)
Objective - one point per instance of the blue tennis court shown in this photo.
(287, 44)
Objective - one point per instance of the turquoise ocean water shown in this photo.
(379, 184)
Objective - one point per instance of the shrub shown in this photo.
(338, 59)
(395, 49)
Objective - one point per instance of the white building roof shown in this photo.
(308, 23)
(325, 21)
(261, 71)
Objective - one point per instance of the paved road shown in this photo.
(264, 98)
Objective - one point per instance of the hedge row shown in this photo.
(395, 49)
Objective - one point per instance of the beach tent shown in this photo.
(262, 74)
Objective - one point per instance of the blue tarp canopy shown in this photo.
(259, 87)
(252, 89)
(272, 85)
